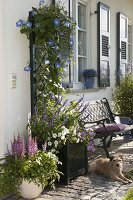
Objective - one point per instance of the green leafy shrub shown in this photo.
(123, 96)
(25, 162)
(129, 195)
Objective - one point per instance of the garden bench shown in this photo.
(99, 116)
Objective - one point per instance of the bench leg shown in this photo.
(105, 146)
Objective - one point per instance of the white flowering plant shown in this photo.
(56, 122)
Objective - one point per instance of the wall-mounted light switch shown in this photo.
(13, 78)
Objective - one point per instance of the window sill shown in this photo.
(83, 90)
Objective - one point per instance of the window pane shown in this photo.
(81, 43)
(123, 27)
(105, 20)
(104, 72)
(81, 16)
(81, 66)
(122, 69)
(129, 34)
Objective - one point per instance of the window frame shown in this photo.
(76, 55)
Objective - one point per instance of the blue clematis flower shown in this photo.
(59, 55)
(56, 48)
(71, 42)
(61, 33)
(69, 62)
(41, 2)
(51, 43)
(57, 65)
(28, 24)
(27, 68)
(47, 62)
(56, 22)
(67, 24)
(19, 23)
(33, 13)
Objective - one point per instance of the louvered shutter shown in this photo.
(122, 45)
(103, 19)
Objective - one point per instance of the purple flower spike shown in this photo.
(41, 2)
(71, 42)
(27, 68)
(19, 23)
(56, 22)
(67, 24)
(57, 65)
(28, 24)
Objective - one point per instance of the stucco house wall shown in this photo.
(14, 54)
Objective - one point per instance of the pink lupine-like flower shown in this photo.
(31, 146)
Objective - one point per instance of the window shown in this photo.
(81, 55)
(122, 45)
(103, 20)
(82, 40)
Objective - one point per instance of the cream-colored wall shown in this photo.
(125, 6)
(14, 54)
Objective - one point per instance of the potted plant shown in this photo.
(55, 124)
(25, 169)
(89, 77)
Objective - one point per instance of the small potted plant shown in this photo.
(89, 77)
(25, 169)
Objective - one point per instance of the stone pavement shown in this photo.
(93, 186)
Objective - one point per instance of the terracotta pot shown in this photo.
(30, 190)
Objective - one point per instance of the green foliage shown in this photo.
(40, 168)
(55, 122)
(123, 96)
(129, 195)
(52, 45)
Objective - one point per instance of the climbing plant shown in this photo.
(52, 30)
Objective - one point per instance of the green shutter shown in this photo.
(122, 45)
(103, 20)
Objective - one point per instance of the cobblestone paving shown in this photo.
(93, 186)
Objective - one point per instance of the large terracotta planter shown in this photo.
(30, 190)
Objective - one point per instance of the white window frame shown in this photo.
(76, 83)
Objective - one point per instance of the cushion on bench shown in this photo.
(110, 128)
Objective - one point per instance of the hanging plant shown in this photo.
(52, 30)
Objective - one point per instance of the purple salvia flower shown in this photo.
(90, 147)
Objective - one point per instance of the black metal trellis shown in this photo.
(73, 156)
